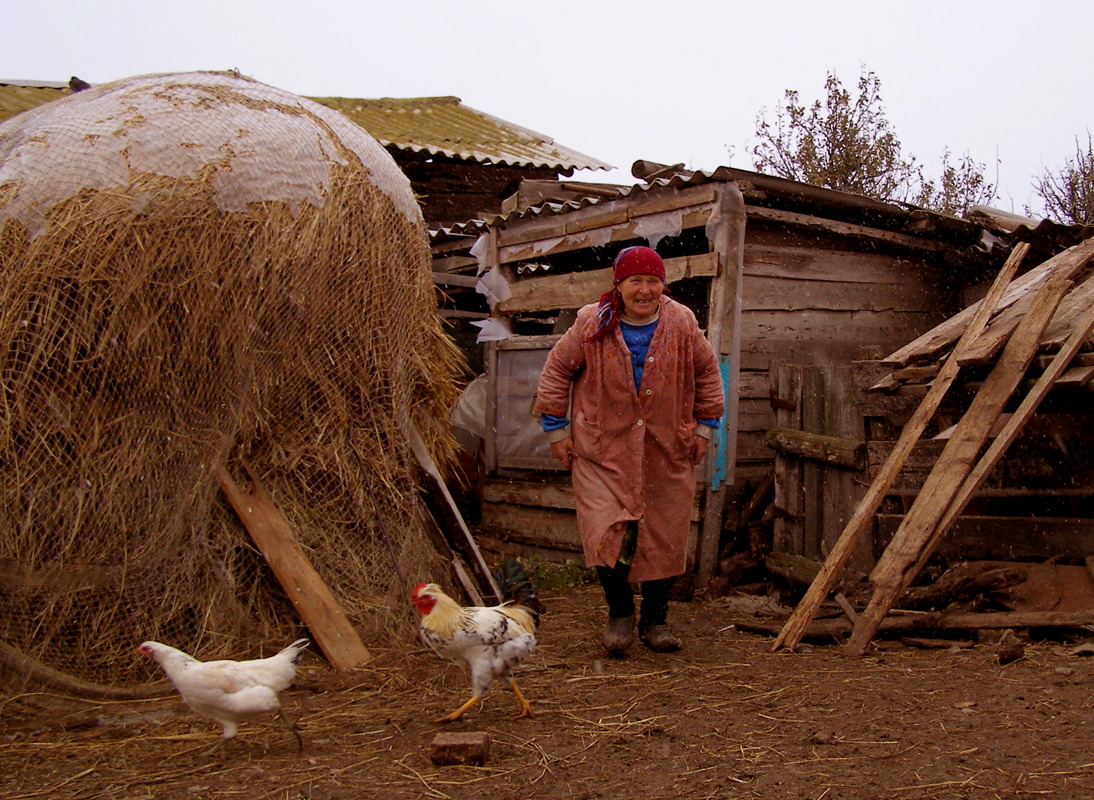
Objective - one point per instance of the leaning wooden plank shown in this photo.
(1067, 317)
(1067, 266)
(894, 569)
(421, 453)
(936, 340)
(843, 548)
(1016, 422)
(310, 596)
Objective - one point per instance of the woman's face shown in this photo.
(641, 295)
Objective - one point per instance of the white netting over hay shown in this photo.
(199, 271)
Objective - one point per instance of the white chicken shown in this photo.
(490, 641)
(230, 692)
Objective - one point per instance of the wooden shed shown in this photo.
(977, 462)
(778, 273)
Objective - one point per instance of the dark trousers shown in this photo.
(620, 595)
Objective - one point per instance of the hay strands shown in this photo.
(311, 597)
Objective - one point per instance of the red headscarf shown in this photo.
(631, 261)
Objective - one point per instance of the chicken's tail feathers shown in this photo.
(517, 587)
(296, 648)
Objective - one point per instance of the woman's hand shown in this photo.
(701, 446)
(564, 451)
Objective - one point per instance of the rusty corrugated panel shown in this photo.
(764, 190)
(445, 126)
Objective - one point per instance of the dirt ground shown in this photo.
(724, 717)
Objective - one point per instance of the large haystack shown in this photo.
(199, 270)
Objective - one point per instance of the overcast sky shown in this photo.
(1010, 83)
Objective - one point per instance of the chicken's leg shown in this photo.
(455, 715)
(216, 750)
(292, 727)
(525, 706)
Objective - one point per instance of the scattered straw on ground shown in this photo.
(722, 718)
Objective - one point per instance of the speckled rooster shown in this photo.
(490, 641)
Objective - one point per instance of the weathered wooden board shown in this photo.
(754, 385)
(844, 229)
(311, 597)
(605, 214)
(827, 261)
(545, 527)
(556, 494)
(755, 415)
(790, 294)
(752, 447)
(1068, 315)
(937, 340)
(809, 330)
(789, 530)
(1002, 538)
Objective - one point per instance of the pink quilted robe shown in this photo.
(633, 449)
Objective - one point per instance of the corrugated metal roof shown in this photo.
(435, 125)
(19, 96)
(445, 126)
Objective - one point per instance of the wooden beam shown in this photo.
(726, 232)
(894, 570)
(604, 215)
(575, 289)
(807, 608)
(317, 607)
(809, 222)
(818, 447)
(448, 279)
(939, 620)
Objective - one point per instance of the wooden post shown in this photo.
(786, 394)
(490, 358)
(727, 224)
(892, 574)
(804, 612)
(317, 607)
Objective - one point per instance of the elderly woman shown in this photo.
(630, 397)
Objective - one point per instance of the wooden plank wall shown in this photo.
(815, 299)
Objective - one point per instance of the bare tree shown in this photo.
(1068, 194)
(848, 144)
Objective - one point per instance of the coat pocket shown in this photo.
(587, 438)
(683, 448)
